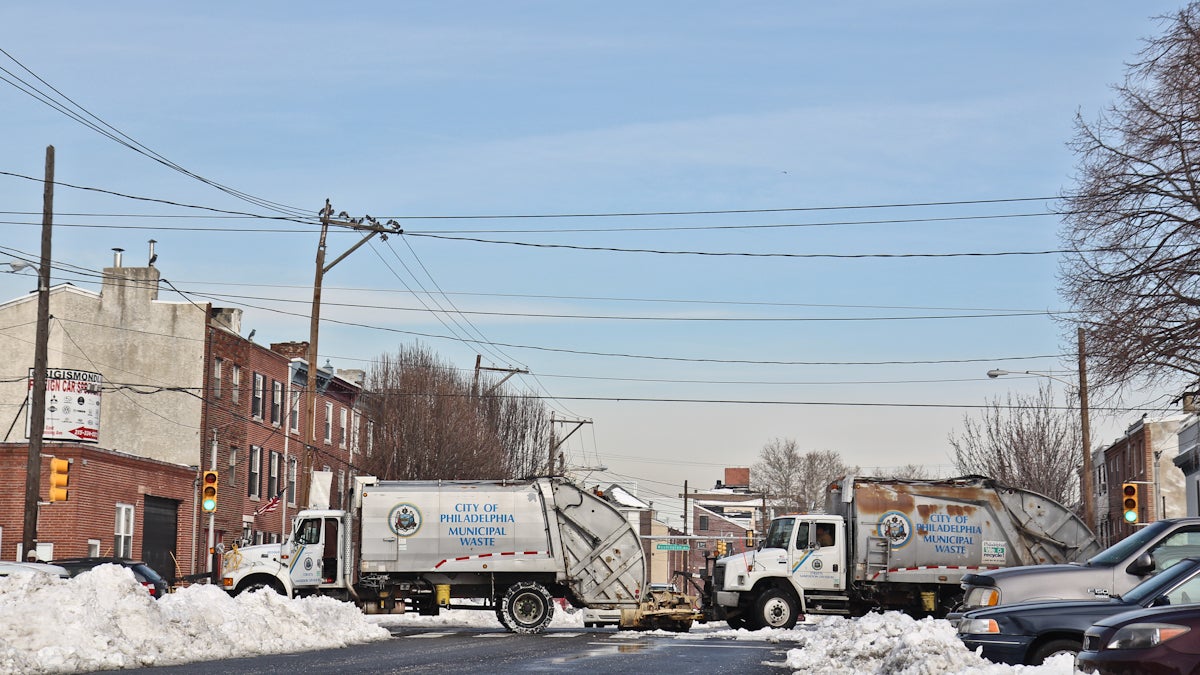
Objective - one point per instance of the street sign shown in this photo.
(672, 547)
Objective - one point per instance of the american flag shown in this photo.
(270, 505)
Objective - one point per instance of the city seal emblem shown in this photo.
(896, 528)
(405, 520)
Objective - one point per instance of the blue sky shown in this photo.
(403, 110)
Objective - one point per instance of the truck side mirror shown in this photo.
(1141, 566)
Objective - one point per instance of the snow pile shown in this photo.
(103, 620)
(895, 643)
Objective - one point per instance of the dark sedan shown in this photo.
(152, 581)
(1028, 633)
(1146, 642)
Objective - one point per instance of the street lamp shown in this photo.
(1086, 479)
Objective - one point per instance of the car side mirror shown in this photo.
(1141, 566)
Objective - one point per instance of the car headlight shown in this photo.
(1145, 635)
(982, 597)
(976, 626)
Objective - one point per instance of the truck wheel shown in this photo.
(1054, 648)
(775, 609)
(527, 607)
(500, 614)
(739, 621)
(259, 585)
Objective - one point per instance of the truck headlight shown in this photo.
(977, 626)
(985, 596)
(1145, 635)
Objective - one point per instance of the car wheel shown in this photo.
(1054, 648)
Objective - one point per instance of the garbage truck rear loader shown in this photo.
(511, 546)
(886, 543)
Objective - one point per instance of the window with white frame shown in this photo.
(93, 548)
(254, 472)
(294, 412)
(370, 437)
(235, 383)
(218, 365)
(123, 534)
(231, 474)
(276, 402)
(291, 480)
(355, 423)
(256, 396)
(342, 488)
(273, 474)
(342, 424)
(328, 422)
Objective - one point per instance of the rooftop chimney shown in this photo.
(117, 256)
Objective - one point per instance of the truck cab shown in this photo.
(802, 559)
(313, 558)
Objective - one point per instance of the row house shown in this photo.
(181, 392)
(1144, 455)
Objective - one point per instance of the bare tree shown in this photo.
(796, 481)
(1133, 220)
(432, 422)
(1024, 442)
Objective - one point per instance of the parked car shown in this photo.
(9, 568)
(1028, 633)
(151, 580)
(1150, 641)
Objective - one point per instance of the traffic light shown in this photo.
(208, 491)
(58, 479)
(749, 539)
(1129, 503)
(720, 548)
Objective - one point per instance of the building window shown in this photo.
(123, 534)
(276, 402)
(703, 525)
(235, 382)
(342, 488)
(93, 548)
(273, 474)
(218, 364)
(256, 396)
(291, 480)
(231, 475)
(294, 412)
(370, 437)
(355, 423)
(254, 471)
(342, 424)
(328, 422)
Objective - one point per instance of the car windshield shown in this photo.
(780, 533)
(1124, 548)
(1161, 582)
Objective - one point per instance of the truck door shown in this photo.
(307, 553)
(819, 563)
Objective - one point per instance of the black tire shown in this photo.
(775, 608)
(256, 585)
(527, 607)
(739, 621)
(500, 613)
(1052, 648)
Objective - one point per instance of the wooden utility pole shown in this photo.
(1087, 486)
(371, 227)
(510, 372)
(37, 410)
(555, 443)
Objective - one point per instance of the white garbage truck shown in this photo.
(885, 543)
(511, 547)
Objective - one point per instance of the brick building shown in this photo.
(182, 392)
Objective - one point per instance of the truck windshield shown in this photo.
(780, 533)
(1123, 549)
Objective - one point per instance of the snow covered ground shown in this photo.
(104, 620)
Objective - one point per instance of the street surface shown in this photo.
(483, 650)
